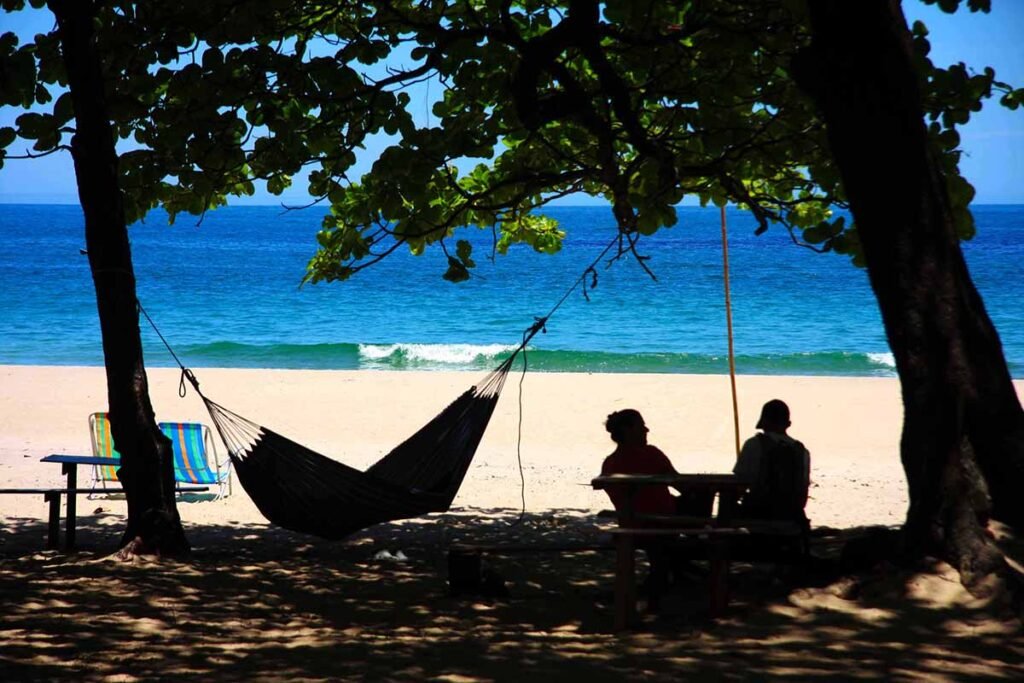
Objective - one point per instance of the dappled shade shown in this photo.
(255, 601)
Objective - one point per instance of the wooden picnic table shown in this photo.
(728, 488)
(69, 467)
(714, 531)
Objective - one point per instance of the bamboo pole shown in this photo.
(728, 321)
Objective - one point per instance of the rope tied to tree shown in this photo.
(186, 373)
(540, 325)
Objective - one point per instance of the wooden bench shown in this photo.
(757, 528)
(52, 497)
(716, 540)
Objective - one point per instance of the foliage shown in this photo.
(643, 103)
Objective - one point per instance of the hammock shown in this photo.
(299, 489)
(302, 490)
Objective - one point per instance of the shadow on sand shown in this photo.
(254, 602)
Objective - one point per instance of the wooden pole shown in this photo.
(728, 322)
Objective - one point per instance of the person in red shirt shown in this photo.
(633, 455)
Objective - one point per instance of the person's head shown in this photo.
(774, 417)
(627, 427)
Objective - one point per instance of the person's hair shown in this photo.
(619, 421)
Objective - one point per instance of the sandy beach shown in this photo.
(256, 603)
(850, 425)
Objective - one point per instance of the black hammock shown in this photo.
(299, 489)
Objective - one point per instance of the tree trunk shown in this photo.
(147, 470)
(963, 435)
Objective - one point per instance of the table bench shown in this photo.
(713, 539)
(719, 538)
(52, 496)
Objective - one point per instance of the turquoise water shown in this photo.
(227, 294)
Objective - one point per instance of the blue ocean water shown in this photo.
(226, 294)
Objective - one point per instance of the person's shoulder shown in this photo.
(657, 462)
(790, 442)
(653, 452)
(795, 442)
(753, 444)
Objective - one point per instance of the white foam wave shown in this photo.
(454, 354)
(886, 359)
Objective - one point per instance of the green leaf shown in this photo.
(63, 109)
(33, 126)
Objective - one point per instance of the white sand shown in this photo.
(850, 425)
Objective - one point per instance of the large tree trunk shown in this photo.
(963, 436)
(146, 472)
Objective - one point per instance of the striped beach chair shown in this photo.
(103, 447)
(195, 456)
(193, 446)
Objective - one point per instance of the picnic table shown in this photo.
(727, 487)
(714, 531)
(69, 467)
(51, 495)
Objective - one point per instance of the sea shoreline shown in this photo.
(402, 357)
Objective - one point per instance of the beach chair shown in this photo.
(103, 447)
(195, 456)
(193, 446)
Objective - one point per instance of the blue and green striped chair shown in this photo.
(193, 447)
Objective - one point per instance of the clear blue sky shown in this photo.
(993, 140)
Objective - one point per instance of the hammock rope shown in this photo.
(302, 490)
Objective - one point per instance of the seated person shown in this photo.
(633, 455)
(778, 466)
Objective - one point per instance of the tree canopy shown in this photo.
(643, 103)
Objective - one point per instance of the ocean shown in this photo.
(226, 293)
